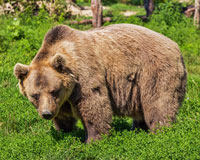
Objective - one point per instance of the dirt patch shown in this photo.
(129, 13)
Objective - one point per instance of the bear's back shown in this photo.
(128, 45)
(134, 37)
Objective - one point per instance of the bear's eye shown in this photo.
(55, 93)
(35, 96)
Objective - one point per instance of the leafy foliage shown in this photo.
(23, 135)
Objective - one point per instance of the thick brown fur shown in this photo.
(122, 69)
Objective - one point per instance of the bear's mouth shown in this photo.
(47, 115)
(50, 115)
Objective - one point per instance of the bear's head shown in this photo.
(46, 85)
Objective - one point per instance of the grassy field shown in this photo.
(24, 135)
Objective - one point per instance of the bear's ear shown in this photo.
(58, 62)
(20, 71)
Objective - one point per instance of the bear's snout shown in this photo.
(47, 115)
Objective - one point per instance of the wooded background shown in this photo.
(68, 6)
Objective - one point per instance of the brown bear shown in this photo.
(121, 69)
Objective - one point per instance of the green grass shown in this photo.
(117, 9)
(124, 7)
(24, 135)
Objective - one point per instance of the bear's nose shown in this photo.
(47, 115)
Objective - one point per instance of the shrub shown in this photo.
(168, 20)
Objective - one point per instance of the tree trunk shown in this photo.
(197, 13)
(149, 7)
(97, 11)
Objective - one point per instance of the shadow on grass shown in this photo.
(119, 125)
(59, 135)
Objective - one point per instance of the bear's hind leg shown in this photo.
(155, 119)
